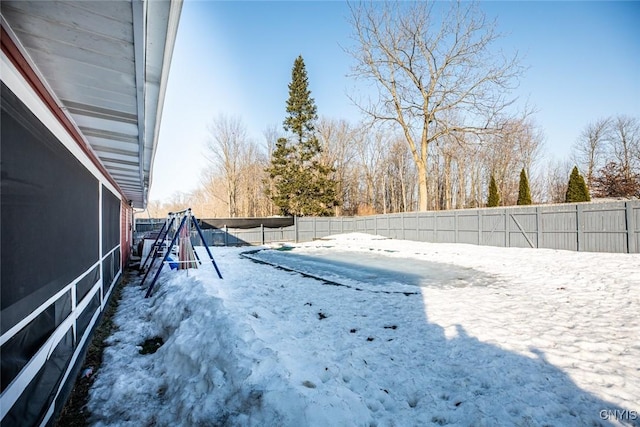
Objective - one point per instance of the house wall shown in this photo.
(63, 246)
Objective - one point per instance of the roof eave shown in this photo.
(161, 30)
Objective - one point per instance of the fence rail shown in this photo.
(240, 237)
(592, 227)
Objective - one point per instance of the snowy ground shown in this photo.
(492, 337)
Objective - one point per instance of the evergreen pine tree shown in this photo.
(584, 190)
(524, 193)
(577, 190)
(494, 197)
(282, 173)
(302, 184)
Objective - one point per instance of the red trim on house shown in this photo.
(19, 61)
(126, 232)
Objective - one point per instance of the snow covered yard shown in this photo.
(504, 337)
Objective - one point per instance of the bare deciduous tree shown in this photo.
(371, 146)
(557, 179)
(338, 152)
(589, 148)
(225, 146)
(624, 138)
(271, 135)
(399, 178)
(254, 179)
(502, 161)
(518, 146)
(213, 194)
(428, 68)
(154, 210)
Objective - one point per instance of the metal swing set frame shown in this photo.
(187, 219)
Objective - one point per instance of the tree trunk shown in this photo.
(462, 185)
(384, 193)
(403, 188)
(423, 192)
(447, 191)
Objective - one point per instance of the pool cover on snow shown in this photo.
(374, 268)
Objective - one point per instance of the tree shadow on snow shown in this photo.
(490, 385)
(477, 383)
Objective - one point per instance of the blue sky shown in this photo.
(236, 58)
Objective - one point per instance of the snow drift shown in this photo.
(549, 338)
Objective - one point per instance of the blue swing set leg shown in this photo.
(204, 243)
(164, 259)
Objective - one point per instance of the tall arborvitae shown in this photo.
(494, 197)
(524, 193)
(577, 190)
(301, 184)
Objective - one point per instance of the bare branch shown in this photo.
(430, 66)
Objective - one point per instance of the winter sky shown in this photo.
(236, 58)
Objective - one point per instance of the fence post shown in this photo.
(539, 243)
(314, 229)
(479, 226)
(226, 235)
(507, 236)
(455, 226)
(262, 233)
(579, 236)
(631, 229)
(435, 227)
(295, 227)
